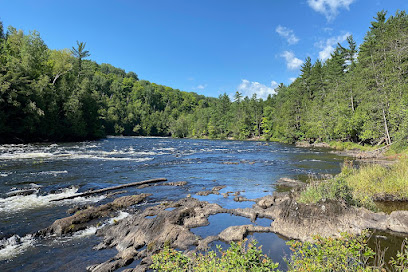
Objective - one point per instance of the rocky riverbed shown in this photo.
(147, 231)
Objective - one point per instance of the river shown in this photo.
(52, 171)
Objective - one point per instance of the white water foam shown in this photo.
(84, 156)
(25, 202)
(15, 245)
(54, 173)
(121, 215)
(26, 155)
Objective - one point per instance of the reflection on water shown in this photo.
(53, 170)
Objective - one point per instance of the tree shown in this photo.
(80, 53)
(60, 61)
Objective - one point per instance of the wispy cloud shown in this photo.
(288, 34)
(200, 87)
(329, 8)
(292, 79)
(248, 88)
(292, 62)
(327, 46)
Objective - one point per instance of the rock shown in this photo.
(22, 192)
(90, 215)
(266, 201)
(301, 221)
(203, 244)
(127, 201)
(238, 233)
(303, 144)
(204, 193)
(398, 221)
(177, 183)
(233, 233)
(138, 237)
(288, 182)
(240, 199)
(218, 188)
(324, 145)
(166, 228)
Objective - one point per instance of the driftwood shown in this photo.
(112, 188)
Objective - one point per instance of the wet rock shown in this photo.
(177, 183)
(218, 188)
(240, 199)
(215, 190)
(169, 228)
(22, 192)
(90, 215)
(204, 193)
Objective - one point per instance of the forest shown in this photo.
(360, 94)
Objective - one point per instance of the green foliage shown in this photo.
(377, 181)
(400, 263)
(347, 253)
(358, 95)
(332, 189)
(242, 256)
(361, 186)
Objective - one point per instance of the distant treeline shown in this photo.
(359, 94)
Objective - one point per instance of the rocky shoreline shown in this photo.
(145, 232)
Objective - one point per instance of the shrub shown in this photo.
(348, 253)
(400, 264)
(242, 256)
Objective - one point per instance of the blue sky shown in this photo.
(208, 46)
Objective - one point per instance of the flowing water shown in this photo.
(52, 171)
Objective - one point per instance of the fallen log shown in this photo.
(112, 188)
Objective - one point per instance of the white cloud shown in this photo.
(201, 87)
(292, 79)
(292, 62)
(328, 45)
(287, 33)
(329, 8)
(248, 88)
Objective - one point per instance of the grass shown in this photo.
(333, 189)
(377, 181)
(361, 186)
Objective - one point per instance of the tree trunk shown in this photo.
(386, 128)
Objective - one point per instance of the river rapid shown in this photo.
(52, 171)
